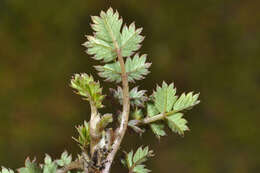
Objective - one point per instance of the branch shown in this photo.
(120, 132)
(152, 119)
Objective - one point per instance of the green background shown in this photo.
(209, 46)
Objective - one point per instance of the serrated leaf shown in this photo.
(84, 135)
(107, 28)
(136, 68)
(134, 161)
(164, 97)
(131, 40)
(86, 86)
(129, 159)
(177, 124)
(141, 155)
(151, 110)
(65, 159)
(186, 101)
(137, 98)
(157, 129)
(104, 121)
(112, 72)
(141, 169)
(100, 49)
(30, 167)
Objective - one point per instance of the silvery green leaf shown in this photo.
(107, 28)
(186, 101)
(177, 124)
(136, 69)
(151, 110)
(131, 40)
(137, 98)
(157, 129)
(112, 72)
(164, 97)
(30, 167)
(65, 159)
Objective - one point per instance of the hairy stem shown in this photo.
(120, 131)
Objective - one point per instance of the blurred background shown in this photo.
(208, 46)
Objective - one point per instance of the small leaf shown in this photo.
(137, 114)
(131, 40)
(88, 88)
(157, 129)
(165, 97)
(30, 167)
(112, 72)
(136, 69)
(107, 28)
(151, 110)
(104, 121)
(177, 123)
(84, 135)
(129, 159)
(186, 101)
(141, 169)
(137, 98)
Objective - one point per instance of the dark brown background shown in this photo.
(209, 46)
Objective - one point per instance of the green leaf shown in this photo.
(30, 167)
(129, 159)
(141, 169)
(5, 170)
(104, 121)
(177, 123)
(137, 98)
(107, 28)
(65, 159)
(84, 135)
(134, 161)
(86, 86)
(112, 72)
(186, 101)
(131, 40)
(165, 97)
(136, 68)
(151, 110)
(157, 129)
(49, 166)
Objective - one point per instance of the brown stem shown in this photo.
(120, 131)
